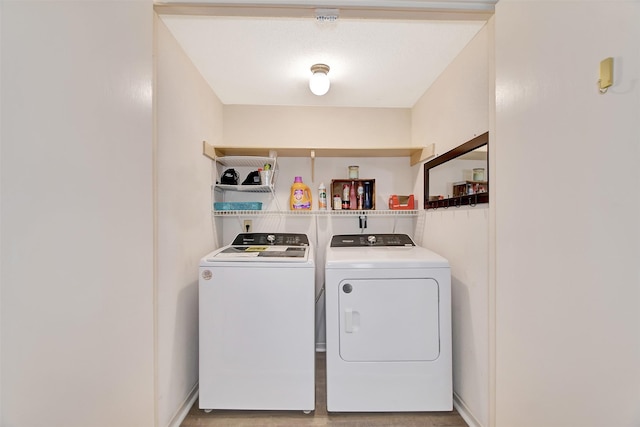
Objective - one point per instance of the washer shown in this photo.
(257, 316)
(388, 317)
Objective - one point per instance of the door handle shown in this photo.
(351, 321)
(348, 321)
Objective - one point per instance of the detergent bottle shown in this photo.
(300, 195)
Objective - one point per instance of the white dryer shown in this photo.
(257, 318)
(388, 319)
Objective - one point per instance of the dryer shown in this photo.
(257, 324)
(388, 322)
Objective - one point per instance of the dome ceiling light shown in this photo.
(319, 81)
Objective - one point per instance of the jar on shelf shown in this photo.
(337, 202)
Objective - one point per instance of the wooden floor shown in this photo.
(320, 417)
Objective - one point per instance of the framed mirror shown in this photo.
(458, 177)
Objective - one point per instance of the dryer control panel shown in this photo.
(362, 240)
(276, 239)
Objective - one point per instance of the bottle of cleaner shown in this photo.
(300, 195)
(322, 197)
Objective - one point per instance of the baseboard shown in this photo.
(186, 406)
(464, 412)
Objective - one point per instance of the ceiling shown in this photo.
(262, 56)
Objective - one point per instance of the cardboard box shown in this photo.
(402, 202)
(337, 189)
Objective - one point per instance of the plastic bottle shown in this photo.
(367, 196)
(300, 195)
(360, 196)
(322, 197)
(345, 196)
(353, 204)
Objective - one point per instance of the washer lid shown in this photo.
(263, 247)
(260, 253)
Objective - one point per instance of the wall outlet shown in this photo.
(247, 226)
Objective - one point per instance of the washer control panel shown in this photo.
(363, 240)
(275, 239)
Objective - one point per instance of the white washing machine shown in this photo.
(388, 318)
(257, 317)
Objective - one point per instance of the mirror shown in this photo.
(458, 177)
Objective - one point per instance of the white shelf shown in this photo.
(245, 161)
(415, 155)
(245, 188)
(330, 213)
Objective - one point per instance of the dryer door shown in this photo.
(389, 320)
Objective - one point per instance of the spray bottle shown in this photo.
(322, 197)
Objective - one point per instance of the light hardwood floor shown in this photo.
(320, 417)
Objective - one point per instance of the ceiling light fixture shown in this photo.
(319, 81)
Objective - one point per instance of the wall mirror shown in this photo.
(458, 177)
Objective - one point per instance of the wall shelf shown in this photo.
(244, 188)
(456, 202)
(329, 213)
(256, 157)
(415, 154)
(245, 164)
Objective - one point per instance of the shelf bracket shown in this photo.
(421, 155)
(209, 150)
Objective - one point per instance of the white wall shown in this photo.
(568, 235)
(187, 112)
(316, 127)
(1, 174)
(77, 214)
(454, 110)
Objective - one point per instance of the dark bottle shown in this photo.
(367, 195)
